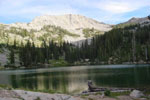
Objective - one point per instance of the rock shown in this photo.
(136, 94)
(28, 95)
(124, 98)
(65, 97)
(7, 98)
(103, 95)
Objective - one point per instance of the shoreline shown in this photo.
(6, 94)
(26, 68)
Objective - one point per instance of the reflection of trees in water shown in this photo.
(142, 78)
(126, 77)
(27, 81)
(43, 81)
(75, 80)
(14, 81)
(136, 77)
(57, 81)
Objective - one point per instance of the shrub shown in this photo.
(107, 93)
(38, 98)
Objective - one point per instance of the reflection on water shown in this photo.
(74, 79)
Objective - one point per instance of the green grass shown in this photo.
(38, 98)
(124, 25)
(110, 94)
(58, 63)
(115, 94)
(90, 99)
(91, 32)
(3, 86)
(1, 68)
(99, 93)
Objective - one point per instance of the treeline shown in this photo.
(29, 54)
(129, 44)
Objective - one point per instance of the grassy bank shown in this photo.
(58, 63)
(1, 68)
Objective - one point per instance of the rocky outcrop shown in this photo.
(136, 94)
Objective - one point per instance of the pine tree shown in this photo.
(12, 56)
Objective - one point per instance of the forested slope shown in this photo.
(120, 45)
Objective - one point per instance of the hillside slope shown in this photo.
(57, 28)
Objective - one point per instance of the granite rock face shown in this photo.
(136, 94)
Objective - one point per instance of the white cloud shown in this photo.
(116, 7)
(121, 6)
(28, 9)
(40, 10)
(31, 8)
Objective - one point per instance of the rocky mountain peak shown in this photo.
(69, 27)
(133, 19)
(138, 20)
(69, 22)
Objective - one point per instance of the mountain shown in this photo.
(133, 21)
(138, 20)
(115, 46)
(60, 28)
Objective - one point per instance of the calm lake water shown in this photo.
(74, 79)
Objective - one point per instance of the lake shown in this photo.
(74, 79)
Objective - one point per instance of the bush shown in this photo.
(107, 93)
(58, 63)
(38, 98)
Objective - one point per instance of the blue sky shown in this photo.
(107, 11)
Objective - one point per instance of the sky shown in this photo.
(107, 11)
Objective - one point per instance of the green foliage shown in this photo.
(124, 25)
(58, 63)
(12, 56)
(51, 52)
(116, 46)
(48, 32)
(90, 99)
(3, 86)
(113, 47)
(91, 32)
(1, 68)
(115, 94)
(107, 93)
(18, 31)
(38, 98)
(58, 31)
